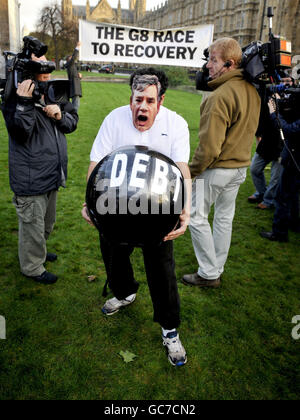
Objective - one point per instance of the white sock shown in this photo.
(165, 332)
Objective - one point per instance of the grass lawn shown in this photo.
(89, 75)
(59, 345)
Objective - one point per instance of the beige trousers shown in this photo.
(211, 246)
(36, 216)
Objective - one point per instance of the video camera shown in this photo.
(202, 76)
(265, 65)
(266, 62)
(289, 104)
(20, 67)
(262, 62)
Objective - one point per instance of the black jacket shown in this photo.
(291, 132)
(37, 146)
(75, 85)
(270, 146)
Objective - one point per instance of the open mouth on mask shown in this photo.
(142, 118)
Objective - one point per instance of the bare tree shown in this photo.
(63, 34)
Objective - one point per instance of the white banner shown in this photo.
(104, 42)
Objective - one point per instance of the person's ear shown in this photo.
(162, 99)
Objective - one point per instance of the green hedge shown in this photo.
(177, 76)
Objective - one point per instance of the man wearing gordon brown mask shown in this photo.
(145, 106)
(146, 122)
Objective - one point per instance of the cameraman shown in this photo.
(229, 119)
(269, 148)
(74, 77)
(286, 214)
(37, 168)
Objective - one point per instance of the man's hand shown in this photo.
(272, 103)
(25, 88)
(53, 111)
(184, 219)
(85, 214)
(258, 140)
(272, 106)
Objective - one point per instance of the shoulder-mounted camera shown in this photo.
(261, 62)
(21, 66)
(202, 76)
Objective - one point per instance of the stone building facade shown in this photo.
(244, 20)
(103, 12)
(10, 34)
(285, 22)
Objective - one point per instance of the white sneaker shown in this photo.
(175, 350)
(112, 306)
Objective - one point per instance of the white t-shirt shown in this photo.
(168, 135)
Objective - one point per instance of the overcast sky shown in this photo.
(30, 10)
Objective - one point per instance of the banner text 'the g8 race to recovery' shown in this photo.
(104, 42)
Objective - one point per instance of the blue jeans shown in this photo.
(268, 193)
(76, 102)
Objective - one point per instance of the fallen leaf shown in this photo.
(127, 356)
(91, 279)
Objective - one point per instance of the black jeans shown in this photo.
(287, 202)
(160, 271)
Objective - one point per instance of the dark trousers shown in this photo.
(287, 202)
(161, 278)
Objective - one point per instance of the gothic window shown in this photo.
(179, 16)
(242, 23)
(221, 24)
(233, 24)
(197, 9)
(205, 7)
(185, 14)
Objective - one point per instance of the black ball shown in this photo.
(135, 196)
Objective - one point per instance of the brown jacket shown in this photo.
(229, 119)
